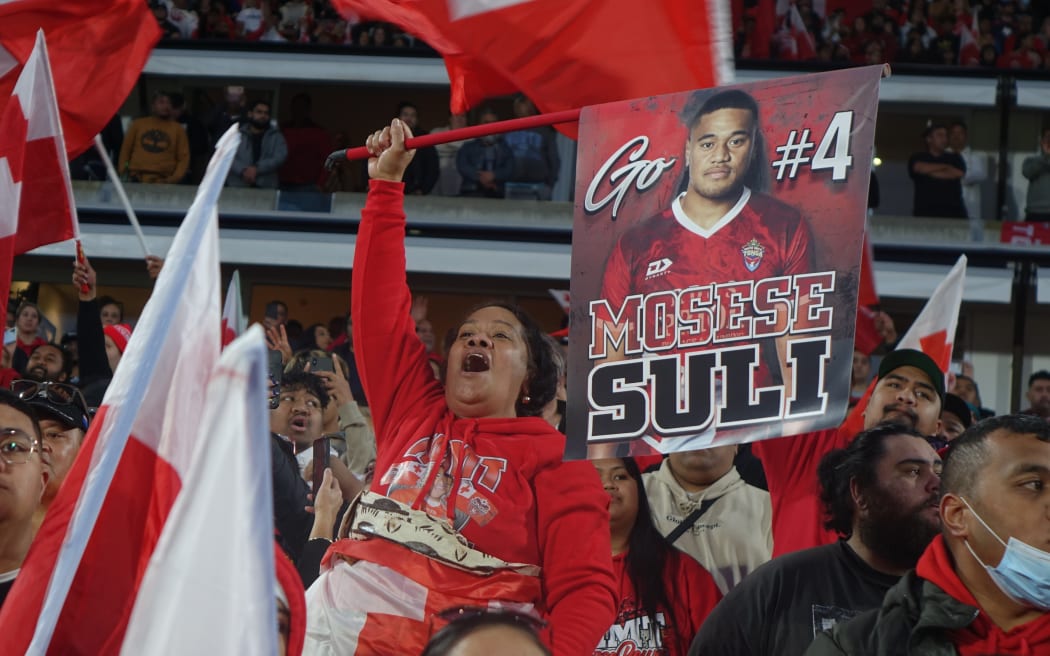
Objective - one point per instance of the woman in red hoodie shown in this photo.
(664, 595)
(471, 503)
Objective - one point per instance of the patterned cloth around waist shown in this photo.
(373, 515)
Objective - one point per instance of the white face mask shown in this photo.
(1024, 572)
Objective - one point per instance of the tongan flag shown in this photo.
(213, 568)
(232, 318)
(36, 196)
(564, 54)
(932, 332)
(867, 338)
(76, 590)
(98, 48)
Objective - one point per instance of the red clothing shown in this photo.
(760, 237)
(400, 623)
(307, 149)
(28, 348)
(791, 472)
(982, 636)
(689, 589)
(8, 376)
(510, 493)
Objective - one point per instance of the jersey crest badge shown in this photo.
(753, 252)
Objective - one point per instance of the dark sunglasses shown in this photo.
(58, 393)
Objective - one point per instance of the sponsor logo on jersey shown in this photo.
(658, 268)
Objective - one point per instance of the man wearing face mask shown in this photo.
(261, 153)
(983, 585)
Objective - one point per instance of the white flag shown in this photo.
(233, 322)
(213, 568)
(933, 331)
(103, 526)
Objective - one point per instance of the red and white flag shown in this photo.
(805, 47)
(233, 321)
(932, 332)
(78, 585)
(564, 54)
(36, 196)
(969, 47)
(562, 297)
(98, 49)
(867, 338)
(226, 593)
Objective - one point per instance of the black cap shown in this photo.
(70, 414)
(917, 359)
(959, 408)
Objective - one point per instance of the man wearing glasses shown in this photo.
(23, 478)
(64, 417)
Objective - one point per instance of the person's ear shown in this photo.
(860, 501)
(953, 516)
(45, 477)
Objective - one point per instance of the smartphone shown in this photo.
(275, 370)
(321, 363)
(322, 449)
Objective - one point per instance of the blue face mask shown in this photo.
(1024, 572)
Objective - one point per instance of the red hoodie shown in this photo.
(982, 636)
(501, 482)
(692, 594)
(791, 473)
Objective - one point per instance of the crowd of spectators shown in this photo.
(702, 554)
(1006, 34)
(273, 21)
(1003, 34)
(709, 551)
(172, 146)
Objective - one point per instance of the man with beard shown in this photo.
(1038, 395)
(983, 585)
(880, 494)
(909, 391)
(261, 153)
(48, 362)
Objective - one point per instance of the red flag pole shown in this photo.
(483, 130)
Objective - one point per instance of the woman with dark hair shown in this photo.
(664, 595)
(485, 631)
(316, 336)
(27, 327)
(110, 311)
(531, 529)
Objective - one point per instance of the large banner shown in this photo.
(716, 255)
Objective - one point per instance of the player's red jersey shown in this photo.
(760, 237)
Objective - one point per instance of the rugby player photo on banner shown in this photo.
(716, 258)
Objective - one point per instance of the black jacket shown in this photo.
(292, 522)
(915, 619)
(95, 373)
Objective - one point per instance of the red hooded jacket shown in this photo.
(501, 482)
